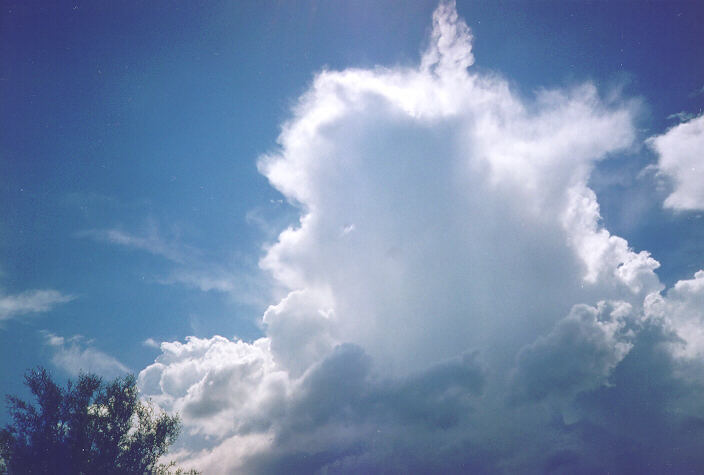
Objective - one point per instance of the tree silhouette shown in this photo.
(88, 427)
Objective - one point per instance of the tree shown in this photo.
(88, 427)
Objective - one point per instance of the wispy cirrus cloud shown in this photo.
(190, 267)
(76, 354)
(31, 302)
(681, 116)
(150, 241)
(697, 92)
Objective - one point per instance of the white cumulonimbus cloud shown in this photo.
(454, 303)
(681, 159)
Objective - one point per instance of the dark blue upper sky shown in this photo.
(145, 119)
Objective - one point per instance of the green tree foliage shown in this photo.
(88, 427)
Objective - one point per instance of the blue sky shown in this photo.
(152, 154)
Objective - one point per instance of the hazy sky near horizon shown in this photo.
(369, 235)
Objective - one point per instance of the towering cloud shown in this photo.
(454, 303)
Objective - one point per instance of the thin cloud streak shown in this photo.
(150, 242)
(30, 302)
(190, 266)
